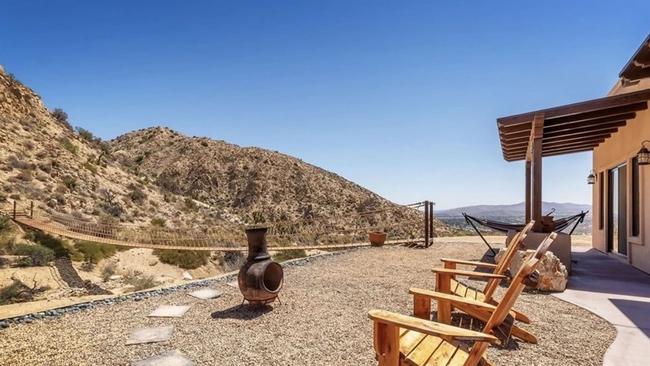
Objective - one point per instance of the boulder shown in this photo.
(187, 276)
(553, 275)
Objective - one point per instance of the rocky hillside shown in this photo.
(160, 174)
(43, 159)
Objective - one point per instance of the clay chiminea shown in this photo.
(260, 279)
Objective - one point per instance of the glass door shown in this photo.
(617, 210)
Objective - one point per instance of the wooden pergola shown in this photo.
(562, 130)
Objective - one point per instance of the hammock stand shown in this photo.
(559, 225)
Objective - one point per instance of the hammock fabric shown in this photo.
(559, 224)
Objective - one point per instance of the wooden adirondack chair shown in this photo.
(406, 340)
(482, 310)
(446, 279)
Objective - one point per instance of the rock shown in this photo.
(553, 275)
(187, 276)
(115, 277)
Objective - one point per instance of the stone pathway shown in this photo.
(161, 334)
(206, 293)
(150, 335)
(620, 294)
(170, 311)
(171, 358)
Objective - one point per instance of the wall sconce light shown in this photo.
(591, 178)
(643, 156)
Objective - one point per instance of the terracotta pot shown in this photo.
(377, 237)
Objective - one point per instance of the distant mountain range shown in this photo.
(513, 213)
(515, 210)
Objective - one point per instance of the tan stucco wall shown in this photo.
(620, 148)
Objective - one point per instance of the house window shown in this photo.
(635, 198)
(601, 201)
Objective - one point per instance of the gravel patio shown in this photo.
(322, 320)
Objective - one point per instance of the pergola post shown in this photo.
(527, 200)
(534, 155)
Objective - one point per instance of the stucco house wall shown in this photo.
(620, 148)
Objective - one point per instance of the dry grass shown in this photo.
(322, 320)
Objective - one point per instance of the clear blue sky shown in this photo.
(401, 97)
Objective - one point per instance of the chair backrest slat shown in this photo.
(515, 243)
(517, 284)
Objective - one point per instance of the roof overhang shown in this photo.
(639, 65)
(569, 128)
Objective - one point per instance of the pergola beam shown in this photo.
(578, 108)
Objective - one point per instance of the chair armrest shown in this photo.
(428, 327)
(459, 272)
(469, 263)
(451, 298)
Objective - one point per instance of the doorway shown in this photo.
(617, 210)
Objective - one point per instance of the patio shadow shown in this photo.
(638, 312)
(598, 272)
(242, 312)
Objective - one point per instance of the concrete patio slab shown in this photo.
(620, 294)
(206, 293)
(150, 335)
(171, 358)
(170, 311)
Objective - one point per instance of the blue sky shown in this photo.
(400, 97)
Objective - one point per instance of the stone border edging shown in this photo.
(155, 292)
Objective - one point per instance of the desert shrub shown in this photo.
(284, 255)
(47, 240)
(139, 281)
(232, 260)
(109, 270)
(25, 175)
(190, 205)
(158, 222)
(19, 292)
(70, 182)
(93, 252)
(90, 167)
(137, 195)
(186, 259)
(62, 117)
(5, 223)
(69, 145)
(85, 134)
(38, 254)
(16, 163)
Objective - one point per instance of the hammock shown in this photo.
(559, 224)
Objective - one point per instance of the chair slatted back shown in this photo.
(518, 284)
(516, 243)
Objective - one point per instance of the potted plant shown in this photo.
(377, 238)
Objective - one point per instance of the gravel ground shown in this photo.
(322, 320)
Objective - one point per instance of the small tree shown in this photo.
(62, 117)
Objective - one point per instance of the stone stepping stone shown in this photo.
(150, 335)
(170, 311)
(171, 358)
(234, 284)
(206, 293)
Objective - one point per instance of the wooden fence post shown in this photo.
(426, 223)
(430, 222)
